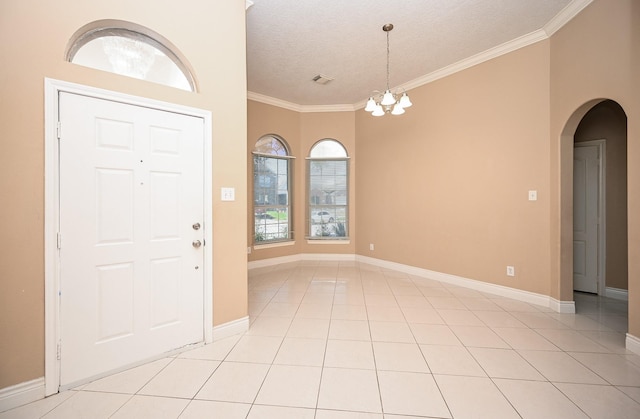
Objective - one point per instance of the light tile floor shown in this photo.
(344, 340)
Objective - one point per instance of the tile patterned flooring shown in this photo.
(345, 340)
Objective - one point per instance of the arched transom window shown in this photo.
(328, 191)
(272, 190)
(130, 50)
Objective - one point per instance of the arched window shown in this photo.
(130, 50)
(272, 190)
(328, 191)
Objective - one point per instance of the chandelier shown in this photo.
(387, 102)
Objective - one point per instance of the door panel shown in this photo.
(131, 187)
(586, 181)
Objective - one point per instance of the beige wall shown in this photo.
(34, 35)
(594, 57)
(445, 186)
(607, 121)
(301, 131)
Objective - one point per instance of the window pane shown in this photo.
(327, 182)
(328, 148)
(134, 55)
(270, 145)
(271, 223)
(271, 198)
(328, 198)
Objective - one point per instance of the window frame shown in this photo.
(132, 31)
(315, 208)
(288, 158)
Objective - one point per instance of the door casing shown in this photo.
(52, 89)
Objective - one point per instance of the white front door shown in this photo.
(131, 195)
(586, 195)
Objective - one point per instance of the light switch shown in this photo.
(228, 194)
(533, 195)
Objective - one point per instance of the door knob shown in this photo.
(196, 243)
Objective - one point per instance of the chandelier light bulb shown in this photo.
(397, 109)
(371, 105)
(405, 102)
(388, 99)
(378, 111)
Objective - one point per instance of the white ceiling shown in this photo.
(291, 41)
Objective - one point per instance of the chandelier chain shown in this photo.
(387, 60)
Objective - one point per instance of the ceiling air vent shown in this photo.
(322, 79)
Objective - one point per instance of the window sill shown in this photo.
(325, 241)
(274, 244)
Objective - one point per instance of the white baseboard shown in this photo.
(330, 257)
(632, 343)
(617, 293)
(263, 263)
(22, 393)
(565, 307)
(333, 257)
(516, 294)
(231, 328)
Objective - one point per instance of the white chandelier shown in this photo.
(387, 102)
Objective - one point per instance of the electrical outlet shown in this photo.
(228, 194)
(249, 250)
(371, 246)
(533, 195)
(511, 271)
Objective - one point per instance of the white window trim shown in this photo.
(115, 27)
(277, 156)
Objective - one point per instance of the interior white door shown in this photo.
(131, 270)
(586, 191)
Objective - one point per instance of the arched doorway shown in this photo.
(599, 127)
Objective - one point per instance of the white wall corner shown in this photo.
(565, 15)
(565, 307)
(20, 394)
(632, 344)
(231, 328)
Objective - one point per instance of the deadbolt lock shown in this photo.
(196, 226)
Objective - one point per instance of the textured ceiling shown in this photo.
(291, 41)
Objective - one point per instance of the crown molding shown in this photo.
(257, 97)
(558, 21)
(565, 15)
(487, 55)
(474, 60)
(328, 108)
